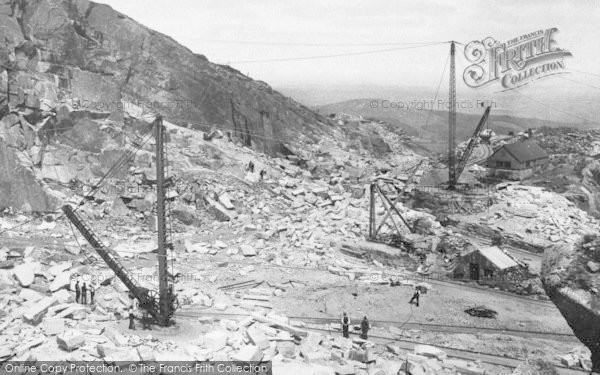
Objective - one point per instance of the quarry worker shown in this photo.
(415, 296)
(251, 166)
(364, 328)
(345, 325)
(84, 294)
(92, 293)
(77, 292)
(262, 174)
(146, 320)
(131, 318)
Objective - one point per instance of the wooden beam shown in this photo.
(384, 200)
(397, 212)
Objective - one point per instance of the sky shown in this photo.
(238, 33)
(213, 28)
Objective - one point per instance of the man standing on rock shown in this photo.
(92, 292)
(415, 297)
(83, 294)
(364, 328)
(77, 292)
(345, 325)
(131, 318)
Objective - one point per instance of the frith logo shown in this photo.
(514, 63)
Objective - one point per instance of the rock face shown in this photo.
(76, 78)
(575, 289)
(18, 187)
(101, 60)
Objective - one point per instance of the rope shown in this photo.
(437, 91)
(133, 149)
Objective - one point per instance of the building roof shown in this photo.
(497, 257)
(525, 151)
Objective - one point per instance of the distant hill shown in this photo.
(432, 124)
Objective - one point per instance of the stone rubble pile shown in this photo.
(550, 216)
(38, 328)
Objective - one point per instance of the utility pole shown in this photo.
(163, 287)
(452, 117)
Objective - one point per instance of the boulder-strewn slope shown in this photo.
(78, 82)
(571, 277)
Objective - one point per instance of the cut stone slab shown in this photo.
(277, 324)
(30, 295)
(248, 353)
(358, 355)
(61, 281)
(287, 349)
(569, 360)
(430, 351)
(220, 244)
(25, 274)
(216, 339)
(147, 354)
(105, 349)
(247, 250)
(73, 311)
(5, 351)
(113, 354)
(53, 326)
(258, 337)
(192, 247)
(312, 356)
(220, 213)
(225, 200)
(35, 314)
(64, 296)
(116, 337)
(466, 368)
(321, 191)
(298, 191)
(390, 367)
(70, 340)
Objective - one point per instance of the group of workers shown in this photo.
(364, 327)
(81, 293)
(250, 168)
(364, 324)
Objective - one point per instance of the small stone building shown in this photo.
(516, 161)
(485, 264)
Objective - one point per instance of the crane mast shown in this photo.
(452, 117)
(160, 306)
(163, 283)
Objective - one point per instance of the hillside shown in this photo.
(79, 79)
(94, 58)
(432, 124)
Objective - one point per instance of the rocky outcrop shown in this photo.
(97, 59)
(571, 279)
(18, 186)
(79, 82)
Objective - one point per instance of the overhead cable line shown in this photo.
(304, 44)
(336, 55)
